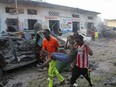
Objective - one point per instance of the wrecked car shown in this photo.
(15, 51)
(19, 51)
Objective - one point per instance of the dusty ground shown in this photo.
(103, 63)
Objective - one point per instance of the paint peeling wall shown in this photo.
(65, 17)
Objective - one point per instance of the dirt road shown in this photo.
(103, 64)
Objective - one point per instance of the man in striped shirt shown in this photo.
(81, 66)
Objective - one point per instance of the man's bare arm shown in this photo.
(89, 49)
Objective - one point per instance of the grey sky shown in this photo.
(105, 7)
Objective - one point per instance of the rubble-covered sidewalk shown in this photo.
(102, 63)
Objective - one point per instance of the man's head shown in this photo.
(70, 39)
(37, 27)
(79, 40)
(47, 34)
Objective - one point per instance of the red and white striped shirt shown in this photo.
(82, 57)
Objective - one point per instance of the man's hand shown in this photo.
(71, 66)
(53, 57)
(89, 49)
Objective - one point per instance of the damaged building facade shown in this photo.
(110, 24)
(51, 16)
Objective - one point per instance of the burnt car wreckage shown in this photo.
(16, 52)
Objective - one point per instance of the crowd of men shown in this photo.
(76, 57)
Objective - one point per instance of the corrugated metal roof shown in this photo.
(47, 5)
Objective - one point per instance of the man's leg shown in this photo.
(50, 84)
(86, 74)
(75, 74)
(50, 76)
(60, 78)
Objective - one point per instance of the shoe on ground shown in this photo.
(75, 85)
(48, 79)
(62, 83)
(90, 85)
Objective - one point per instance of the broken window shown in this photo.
(13, 10)
(89, 17)
(75, 16)
(10, 10)
(31, 11)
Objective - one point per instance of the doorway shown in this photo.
(31, 23)
(12, 25)
(54, 25)
(90, 26)
(76, 26)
